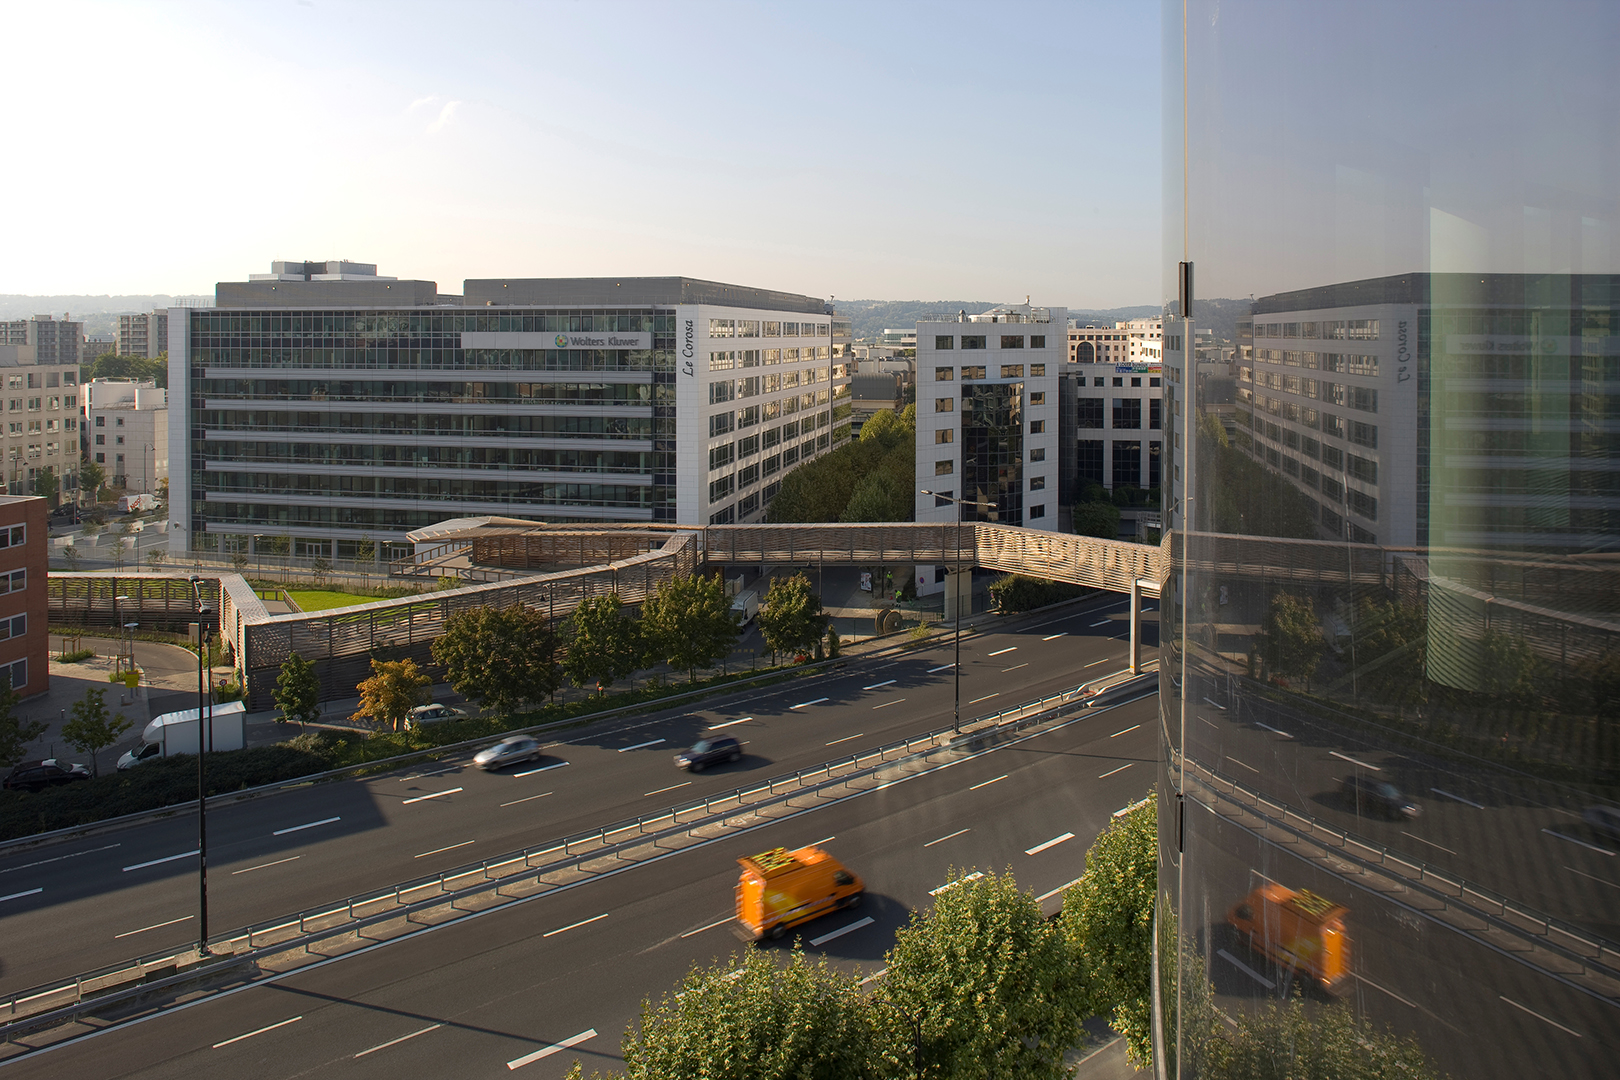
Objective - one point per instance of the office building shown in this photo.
(126, 428)
(55, 342)
(143, 334)
(987, 419)
(1131, 341)
(40, 404)
(1112, 426)
(94, 348)
(24, 617)
(335, 406)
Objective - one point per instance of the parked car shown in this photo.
(1372, 796)
(435, 713)
(508, 751)
(37, 775)
(707, 752)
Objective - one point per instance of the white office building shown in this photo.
(126, 424)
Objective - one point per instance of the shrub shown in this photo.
(1015, 592)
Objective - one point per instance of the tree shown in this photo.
(120, 545)
(394, 689)
(982, 986)
(47, 486)
(365, 549)
(503, 658)
(687, 623)
(1293, 636)
(298, 691)
(92, 729)
(91, 477)
(753, 1018)
(71, 554)
(604, 646)
(879, 496)
(883, 426)
(1108, 922)
(163, 488)
(1099, 519)
(1284, 1042)
(155, 557)
(791, 617)
(320, 569)
(15, 735)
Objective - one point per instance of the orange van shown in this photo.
(780, 889)
(1297, 929)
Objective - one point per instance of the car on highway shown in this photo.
(435, 713)
(508, 751)
(706, 752)
(1368, 795)
(38, 775)
(1604, 819)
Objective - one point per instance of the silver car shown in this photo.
(435, 713)
(508, 751)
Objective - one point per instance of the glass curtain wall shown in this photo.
(1390, 697)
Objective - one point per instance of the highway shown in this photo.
(503, 992)
(134, 891)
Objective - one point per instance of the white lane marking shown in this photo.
(1008, 649)
(1207, 720)
(1048, 895)
(1052, 843)
(823, 840)
(711, 926)
(987, 783)
(1353, 761)
(1538, 1016)
(531, 798)
(1122, 768)
(1583, 843)
(572, 926)
(1457, 798)
(261, 1031)
(1117, 734)
(1387, 990)
(986, 697)
(1054, 637)
(541, 769)
(942, 839)
(846, 738)
(1015, 667)
(1094, 663)
(1245, 764)
(425, 798)
(154, 926)
(17, 895)
(1431, 843)
(1247, 970)
(640, 746)
(850, 929)
(881, 685)
(942, 667)
(309, 825)
(1274, 731)
(59, 858)
(436, 851)
(396, 1042)
(730, 723)
(436, 772)
(875, 976)
(554, 1048)
(806, 704)
(886, 704)
(975, 876)
(266, 866)
(1571, 869)
(1215, 703)
(661, 790)
(156, 862)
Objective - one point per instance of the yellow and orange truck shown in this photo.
(779, 889)
(1299, 929)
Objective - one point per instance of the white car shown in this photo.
(435, 713)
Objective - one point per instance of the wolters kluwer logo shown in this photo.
(562, 341)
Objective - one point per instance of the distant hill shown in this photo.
(98, 313)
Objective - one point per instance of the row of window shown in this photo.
(943, 342)
(1340, 363)
(1337, 330)
(251, 517)
(416, 455)
(1360, 398)
(661, 357)
(409, 392)
(42, 380)
(34, 450)
(431, 488)
(1119, 380)
(15, 404)
(728, 359)
(721, 390)
(1126, 461)
(753, 328)
(977, 371)
(1127, 413)
(724, 454)
(38, 427)
(394, 324)
(1354, 430)
(431, 425)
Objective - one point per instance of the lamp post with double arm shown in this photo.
(207, 622)
(956, 584)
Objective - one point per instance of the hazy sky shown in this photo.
(864, 150)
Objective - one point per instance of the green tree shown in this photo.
(687, 623)
(1285, 1042)
(91, 477)
(503, 658)
(883, 426)
(16, 735)
(1098, 518)
(791, 617)
(753, 1018)
(155, 557)
(879, 496)
(605, 645)
(1108, 922)
(394, 689)
(1293, 637)
(71, 554)
(320, 569)
(982, 986)
(47, 486)
(93, 728)
(298, 691)
(365, 549)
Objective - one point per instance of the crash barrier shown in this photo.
(50, 1005)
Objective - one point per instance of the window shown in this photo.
(14, 536)
(723, 390)
(773, 464)
(1038, 511)
(1364, 434)
(1097, 381)
(1154, 382)
(1012, 341)
(101, 440)
(1128, 413)
(1037, 341)
(1363, 469)
(723, 517)
(719, 424)
(15, 673)
(721, 328)
(16, 626)
(16, 581)
(973, 371)
(944, 374)
(1012, 371)
(1119, 380)
(1038, 397)
(1332, 457)
(118, 422)
(944, 404)
(748, 417)
(720, 488)
(1363, 504)
(1091, 412)
(972, 341)
(1037, 426)
(101, 459)
(748, 446)
(1089, 459)
(1155, 414)
(1037, 483)
(119, 440)
(943, 498)
(747, 475)
(945, 435)
(33, 406)
(1037, 371)
(721, 455)
(944, 468)
(722, 361)
(1127, 465)
(943, 341)
(1038, 454)
(1361, 398)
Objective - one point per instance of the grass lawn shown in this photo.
(322, 599)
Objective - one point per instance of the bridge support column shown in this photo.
(1136, 627)
(958, 590)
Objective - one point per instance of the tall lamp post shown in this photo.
(956, 708)
(207, 622)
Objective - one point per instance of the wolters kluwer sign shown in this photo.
(485, 339)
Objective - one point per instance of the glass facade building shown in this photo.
(1390, 772)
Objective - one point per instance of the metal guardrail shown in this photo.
(49, 1004)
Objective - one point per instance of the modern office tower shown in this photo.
(24, 616)
(1390, 768)
(144, 334)
(1112, 430)
(987, 419)
(335, 410)
(126, 428)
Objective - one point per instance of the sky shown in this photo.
(864, 151)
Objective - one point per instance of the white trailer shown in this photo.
(744, 606)
(176, 733)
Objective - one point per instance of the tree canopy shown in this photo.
(1293, 636)
(503, 658)
(1100, 519)
(394, 689)
(687, 623)
(791, 618)
(298, 691)
(870, 479)
(112, 366)
(93, 728)
(605, 645)
(15, 735)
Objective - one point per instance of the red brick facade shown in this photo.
(24, 636)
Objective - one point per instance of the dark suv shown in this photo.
(1367, 795)
(35, 775)
(709, 752)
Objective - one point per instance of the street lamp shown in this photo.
(956, 709)
(116, 623)
(207, 621)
